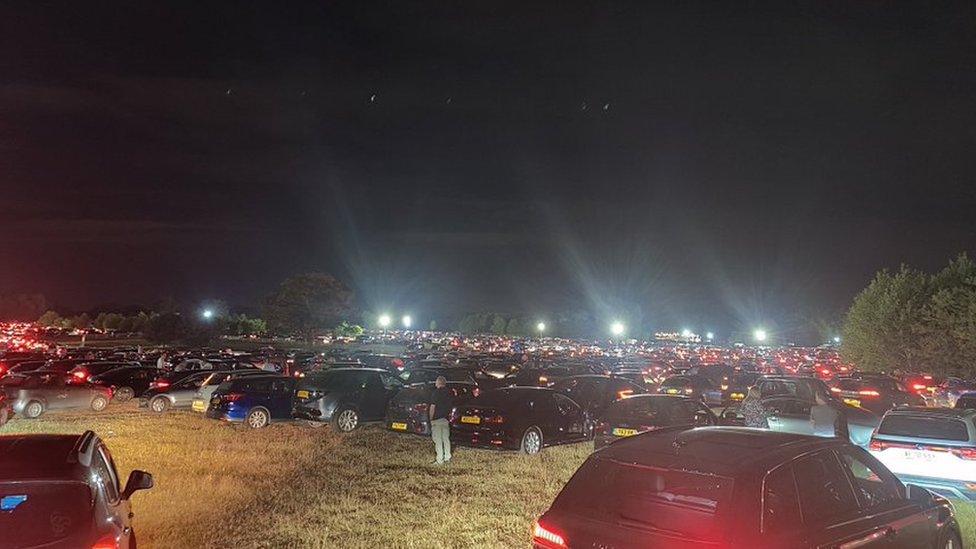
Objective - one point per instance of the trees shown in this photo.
(306, 304)
(912, 321)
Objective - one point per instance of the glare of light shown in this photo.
(385, 321)
(709, 336)
(207, 314)
(407, 321)
(836, 339)
(686, 333)
(760, 335)
(541, 327)
(617, 328)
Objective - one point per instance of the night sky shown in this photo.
(709, 165)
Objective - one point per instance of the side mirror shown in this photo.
(138, 480)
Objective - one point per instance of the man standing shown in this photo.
(440, 429)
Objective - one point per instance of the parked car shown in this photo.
(875, 392)
(966, 401)
(695, 387)
(741, 488)
(641, 413)
(947, 393)
(42, 392)
(860, 422)
(519, 418)
(254, 401)
(345, 396)
(161, 397)
(596, 392)
(127, 382)
(931, 447)
(63, 491)
(407, 410)
(201, 399)
(82, 373)
(423, 376)
(735, 386)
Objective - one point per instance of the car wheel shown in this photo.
(123, 394)
(99, 403)
(33, 409)
(159, 404)
(257, 418)
(346, 420)
(950, 540)
(531, 441)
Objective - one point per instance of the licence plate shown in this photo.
(672, 391)
(398, 426)
(620, 432)
(919, 455)
(199, 406)
(471, 419)
(302, 394)
(852, 401)
(737, 396)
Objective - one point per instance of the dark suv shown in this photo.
(63, 492)
(345, 396)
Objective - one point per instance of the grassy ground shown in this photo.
(293, 486)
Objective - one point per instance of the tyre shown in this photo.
(257, 418)
(531, 441)
(950, 540)
(346, 420)
(159, 404)
(123, 394)
(99, 403)
(33, 409)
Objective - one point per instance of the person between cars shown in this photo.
(753, 410)
(162, 362)
(827, 421)
(440, 429)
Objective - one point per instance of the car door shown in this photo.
(788, 415)
(375, 394)
(905, 523)
(116, 509)
(183, 392)
(280, 398)
(568, 418)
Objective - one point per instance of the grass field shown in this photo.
(293, 486)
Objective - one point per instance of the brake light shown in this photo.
(397, 363)
(725, 387)
(965, 453)
(835, 389)
(80, 374)
(545, 536)
(689, 390)
(825, 371)
(496, 419)
(601, 427)
(869, 392)
(543, 379)
(161, 383)
(105, 542)
(232, 397)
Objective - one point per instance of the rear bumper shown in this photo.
(233, 415)
(396, 423)
(483, 439)
(943, 487)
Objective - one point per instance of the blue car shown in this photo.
(254, 401)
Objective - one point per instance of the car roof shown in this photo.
(44, 456)
(725, 451)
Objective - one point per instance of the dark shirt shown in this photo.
(442, 401)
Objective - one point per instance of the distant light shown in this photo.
(709, 336)
(207, 314)
(385, 321)
(836, 339)
(760, 335)
(541, 327)
(617, 328)
(407, 321)
(686, 333)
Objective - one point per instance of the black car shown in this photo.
(127, 382)
(875, 392)
(83, 372)
(691, 386)
(735, 487)
(519, 418)
(407, 411)
(345, 396)
(64, 492)
(423, 376)
(642, 413)
(544, 376)
(595, 392)
(41, 392)
(735, 386)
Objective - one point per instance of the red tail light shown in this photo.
(160, 384)
(965, 453)
(232, 397)
(106, 542)
(545, 536)
(876, 445)
(397, 363)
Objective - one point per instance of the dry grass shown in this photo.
(293, 486)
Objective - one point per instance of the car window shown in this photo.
(924, 426)
(873, 484)
(564, 404)
(105, 474)
(390, 382)
(781, 509)
(825, 493)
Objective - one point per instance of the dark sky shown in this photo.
(707, 164)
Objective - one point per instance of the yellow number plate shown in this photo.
(672, 392)
(199, 406)
(852, 401)
(471, 419)
(398, 426)
(617, 431)
(302, 394)
(737, 396)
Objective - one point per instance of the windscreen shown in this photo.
(680, 503)
(931, 428)
(38, 513)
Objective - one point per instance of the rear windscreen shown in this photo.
(661, 500)
(932, 428)
(37, 513)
